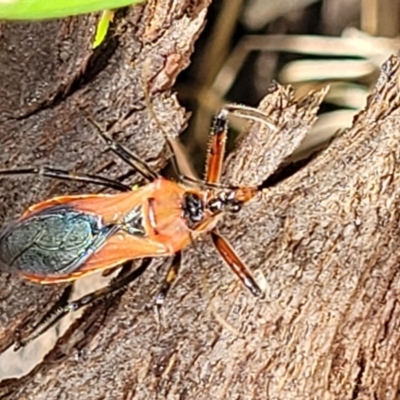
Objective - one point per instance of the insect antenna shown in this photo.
(252, 114)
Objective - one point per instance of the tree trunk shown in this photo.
(323, 243)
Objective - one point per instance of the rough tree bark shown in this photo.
(323, 244)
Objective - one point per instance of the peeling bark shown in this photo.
(323, 244)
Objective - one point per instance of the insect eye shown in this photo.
(193, 208)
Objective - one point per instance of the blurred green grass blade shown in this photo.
(43, 9)
(102, 27)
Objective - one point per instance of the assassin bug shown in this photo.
(67, 237)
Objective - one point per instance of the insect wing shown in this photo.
(66, 237)
(112, 208)
(53, 242)
(123, 247)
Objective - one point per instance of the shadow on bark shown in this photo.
(323, 243)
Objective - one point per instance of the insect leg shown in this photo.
(61, 302)
(126, 155)
(170, 278)
(117, 285)
(62, 174)
(216, 149)
(218, 137)
(235, 264)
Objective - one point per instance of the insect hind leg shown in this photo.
(64, 307)
(45, 323)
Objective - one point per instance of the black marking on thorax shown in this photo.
(133, 222)
(193, 209)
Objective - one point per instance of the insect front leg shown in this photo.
(216, 149)
(235, 263)
(219, 134)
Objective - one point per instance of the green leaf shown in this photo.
(43, 9)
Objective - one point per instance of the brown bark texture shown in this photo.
(323, 243)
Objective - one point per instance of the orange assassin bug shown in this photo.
(67, 237)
